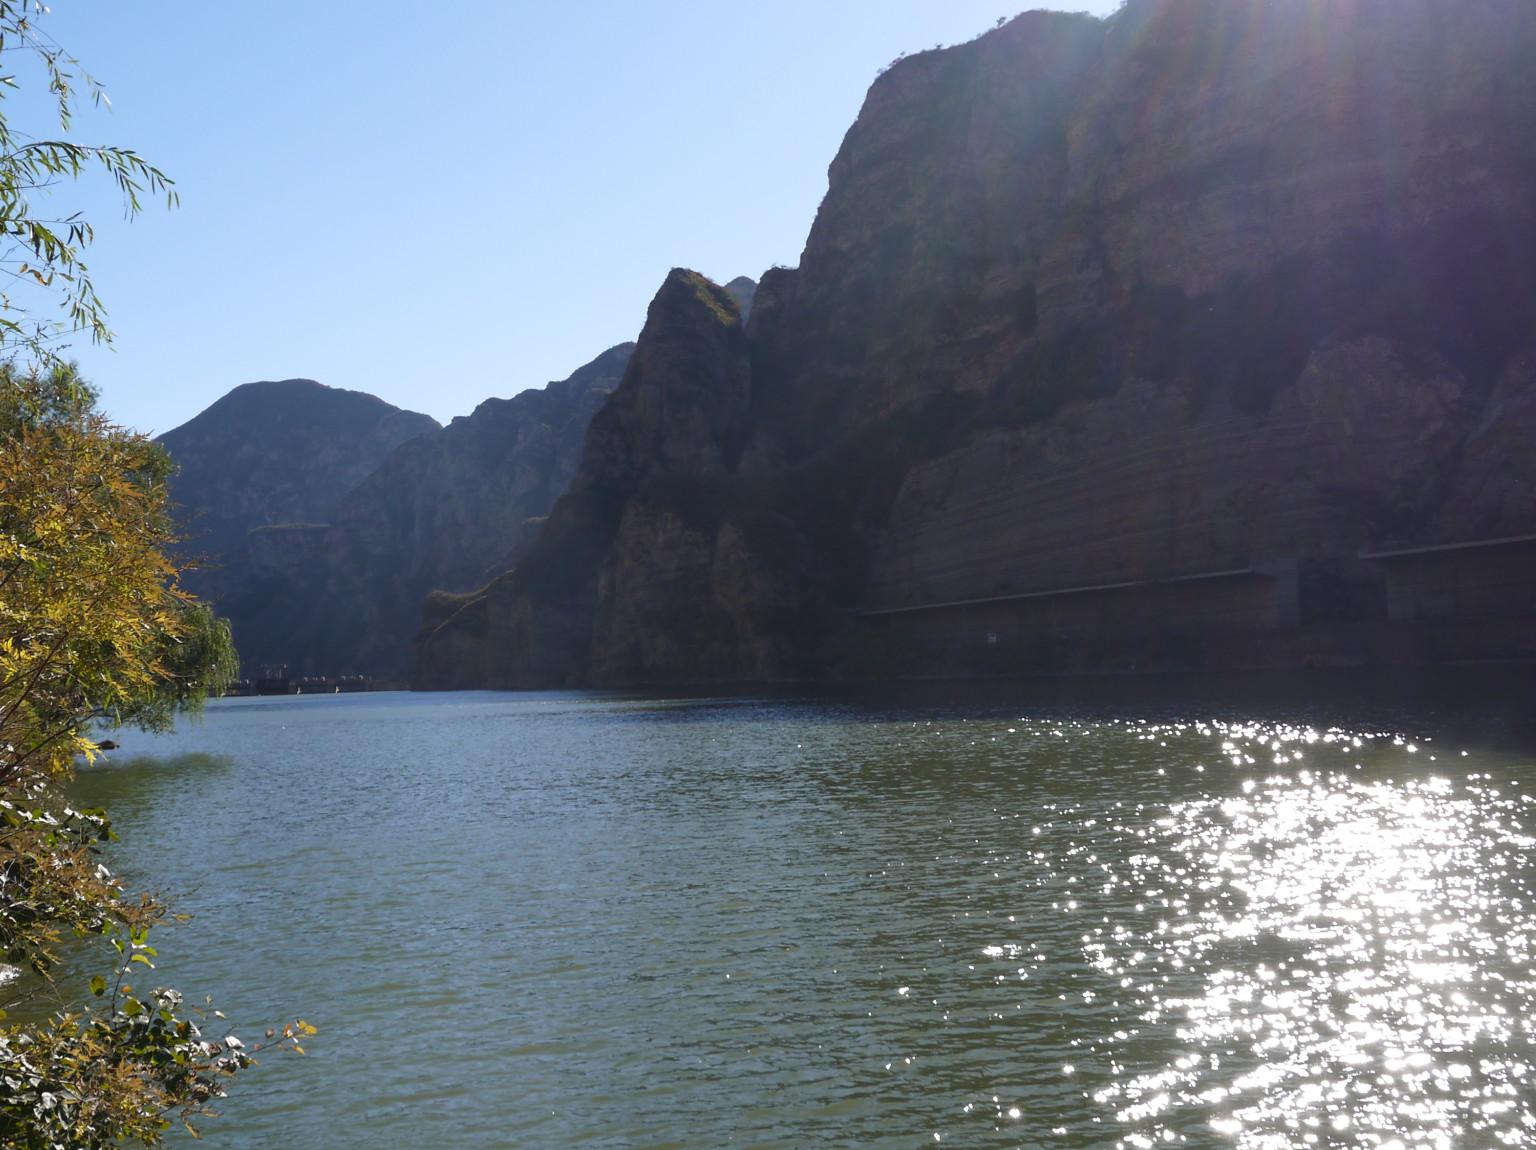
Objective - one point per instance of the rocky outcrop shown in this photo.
(1202, 286)
(636, 534)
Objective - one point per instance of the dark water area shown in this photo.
(1249, 912)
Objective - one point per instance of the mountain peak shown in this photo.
(278, 451)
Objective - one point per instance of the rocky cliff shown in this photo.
(1204, 286)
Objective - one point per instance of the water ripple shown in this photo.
(587, 920)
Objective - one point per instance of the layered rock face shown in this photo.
(1204, 286)
(337, 589)
(1150, 483)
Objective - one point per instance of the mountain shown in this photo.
(1195, 336)
(445, 511)
(278, 452)
(743, 290)
(334, 586)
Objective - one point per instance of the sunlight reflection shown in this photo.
(1366, 948)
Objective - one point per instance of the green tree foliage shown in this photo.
(94, 632)
(41, 254)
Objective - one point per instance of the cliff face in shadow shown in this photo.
(337, 588)
(679, 417)
(446, 511)
(1204, 286)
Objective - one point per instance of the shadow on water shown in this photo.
(1495, 705)
(159, 765)
(126, 786)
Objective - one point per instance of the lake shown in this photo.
(1254, 914)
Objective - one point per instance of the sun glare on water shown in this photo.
(1343, 956)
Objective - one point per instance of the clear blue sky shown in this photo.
(440, 203)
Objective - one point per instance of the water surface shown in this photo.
(1024, 920)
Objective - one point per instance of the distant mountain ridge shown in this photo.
(743, 290)
(278, 451)
(444, 511)
(326, 516)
